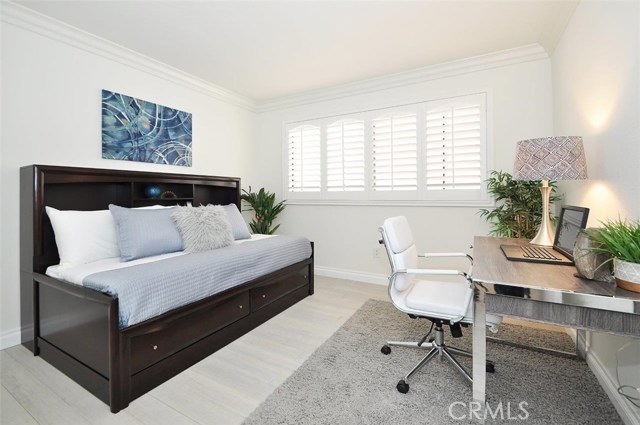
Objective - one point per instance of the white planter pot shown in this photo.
(627, 275)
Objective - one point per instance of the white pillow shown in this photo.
(84, 236)
(153, 207)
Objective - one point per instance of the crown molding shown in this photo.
(30, 20)
(531, 52)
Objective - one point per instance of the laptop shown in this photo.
(572, 220)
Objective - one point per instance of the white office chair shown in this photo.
(441, 302)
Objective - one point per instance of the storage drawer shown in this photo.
(153, 346)
(265, 294)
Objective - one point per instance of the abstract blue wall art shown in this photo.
(137, 130)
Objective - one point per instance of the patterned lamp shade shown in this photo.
(550, 158)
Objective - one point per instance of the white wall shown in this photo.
(51, 114)
(345, 236)
(596, 95)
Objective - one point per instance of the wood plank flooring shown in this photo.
(222, 389)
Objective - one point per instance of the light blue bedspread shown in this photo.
(148, 290)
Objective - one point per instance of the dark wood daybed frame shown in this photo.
(76, 329)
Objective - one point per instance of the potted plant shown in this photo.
(518, 210)
(265, 208)
(621, 239)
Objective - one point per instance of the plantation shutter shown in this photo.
(432, 152)
(395, 153)
(345, 156)
(304, 159)
(452, 150)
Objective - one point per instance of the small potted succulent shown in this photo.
(621, 239)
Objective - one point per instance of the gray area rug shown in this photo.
(348, 381)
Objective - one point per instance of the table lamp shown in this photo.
(549, 158)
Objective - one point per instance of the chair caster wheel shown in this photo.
(491, 368)
(402, 386)
(385, 350)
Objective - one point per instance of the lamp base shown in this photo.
(546, 233)
(544, 237)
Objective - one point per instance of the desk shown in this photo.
(542, 293)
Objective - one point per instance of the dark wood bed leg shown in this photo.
(119, 379)
(28, 312)
(36, 317)
(311, 270)
(28, 250)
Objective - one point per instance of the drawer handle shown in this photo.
(264, 296)
(240, 306)
(155, 347)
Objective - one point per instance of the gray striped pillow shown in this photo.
(238, 225)
(143, 233)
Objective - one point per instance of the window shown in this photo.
(427, 152)
(452, 148)
(395, 154)
(345, 156)
(304, 159)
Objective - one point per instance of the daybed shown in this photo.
(76, 329)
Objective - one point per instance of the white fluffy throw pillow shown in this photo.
(203, 228)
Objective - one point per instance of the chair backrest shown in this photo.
(401, 249)
(403, 255)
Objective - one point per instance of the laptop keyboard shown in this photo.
(541, 253)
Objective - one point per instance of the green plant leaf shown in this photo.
(619, 238)
(265, 208)
(518, 210)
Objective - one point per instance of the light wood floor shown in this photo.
(222, 389)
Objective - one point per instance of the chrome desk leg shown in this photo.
(479, 346)
(581, 344)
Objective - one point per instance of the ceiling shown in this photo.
(270, 49)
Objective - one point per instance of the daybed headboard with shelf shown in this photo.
(85, 189)
(77, 329)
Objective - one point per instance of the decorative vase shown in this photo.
(589, 263)
(152, 191)
(627, 275)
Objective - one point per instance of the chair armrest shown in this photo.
(433, 272)
(446, 254)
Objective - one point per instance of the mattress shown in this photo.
(76, 274)
(146, 289)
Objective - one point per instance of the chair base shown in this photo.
(437, 347)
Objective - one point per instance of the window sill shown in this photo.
(393, 203)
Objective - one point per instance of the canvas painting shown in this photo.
(137, 130)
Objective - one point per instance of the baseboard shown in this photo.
(9, 338)
(358, 276)
(629, 414)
